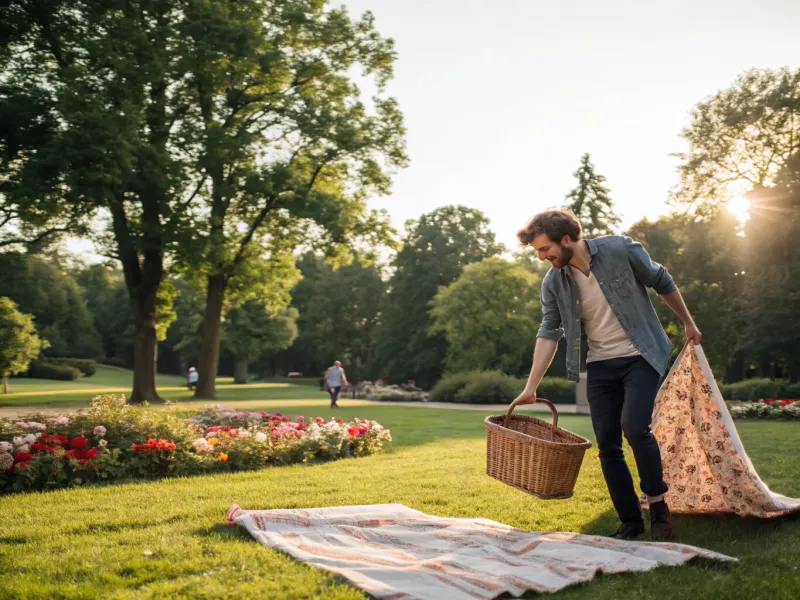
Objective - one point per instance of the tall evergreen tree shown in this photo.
(590, 201)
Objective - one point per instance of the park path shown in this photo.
(11, 412)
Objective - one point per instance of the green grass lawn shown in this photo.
(89, 543)
(25, 391)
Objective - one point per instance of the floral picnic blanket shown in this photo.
(705, 463)
(396, 553)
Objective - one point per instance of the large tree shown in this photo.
(436, 248)
(94, 99)
(770, 298)
(339, 314)
(19, 343)
(287, 145)
(741, 137)
(590, 201)
(488, 316)
(252, 330)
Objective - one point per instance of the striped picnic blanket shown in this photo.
(396, 553)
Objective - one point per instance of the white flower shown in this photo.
(35, 425)
(23, 448)
(6, 447)
(59, 420)
(31, 438)
(18, 440)
(260, 436)
(6, 461)
(201, 445)
(244, 433)
(102, 443)
(99, 431)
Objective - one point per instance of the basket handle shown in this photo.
(549, 404)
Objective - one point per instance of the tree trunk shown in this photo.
(5, 384)
(144, 350)
(209, 344)
(240, 374)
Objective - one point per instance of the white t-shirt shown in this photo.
(607, 338)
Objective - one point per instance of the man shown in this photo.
(598, 286)
(193, 377)
(335, 379)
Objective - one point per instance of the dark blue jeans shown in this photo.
(621, 394)
(334, 392)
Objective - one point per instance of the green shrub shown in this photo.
(40, 369)
(84, 365)
(793, 391)
(751, 390)
(490, 388)
(557, 390)
(450, 384)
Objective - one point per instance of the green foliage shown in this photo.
(490, 387)
(488, 316)
(86, 367)
(741, 137)
(435, 250)
(44, 369)
(19, 343)
(591, 203)
(557, 389)
(481, 387)
(339, 317)
(51, 295)
(107, 299)
(752, 390)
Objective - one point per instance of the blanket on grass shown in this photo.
(396, 553)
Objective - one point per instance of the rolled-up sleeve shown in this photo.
(551, 327)
(647, 271)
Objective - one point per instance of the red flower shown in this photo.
(55, 473)
(37, 447)
(79, 443)
(21, 458)
(70, 453)
(339, 421)
(301, 427)
(786, 403)
(320, 420)
(91, 453)
(50, 440)
(152, 446)
(362, 430)
(354, 432)
(82, 461)
(263, 414)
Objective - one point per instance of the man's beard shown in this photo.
(566, 256)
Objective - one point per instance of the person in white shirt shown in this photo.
(192, 377)
(334, 380)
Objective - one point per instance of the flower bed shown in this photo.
(114, 441)
(772, 408)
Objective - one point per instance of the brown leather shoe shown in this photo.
(660, 521)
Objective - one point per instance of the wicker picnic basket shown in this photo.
(533, 455)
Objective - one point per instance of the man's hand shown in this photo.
(693, 333)
(526, 397)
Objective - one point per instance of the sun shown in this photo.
(739, 206)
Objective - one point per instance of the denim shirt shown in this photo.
(623, 268)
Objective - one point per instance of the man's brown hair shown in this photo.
(554, 223)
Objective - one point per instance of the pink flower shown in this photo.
(319, 420)
(300, 419)
(99, 431)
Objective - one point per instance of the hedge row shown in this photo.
(751, 390)
(40, 369)
(491, 387)
(84, 365)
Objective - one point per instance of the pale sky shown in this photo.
(502, 97)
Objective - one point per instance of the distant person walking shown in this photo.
(334, 380)
(193, 377)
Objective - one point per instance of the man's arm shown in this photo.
(653, 275)
(542, 357)
(550, 332)
(344, 379)
(675, 301)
